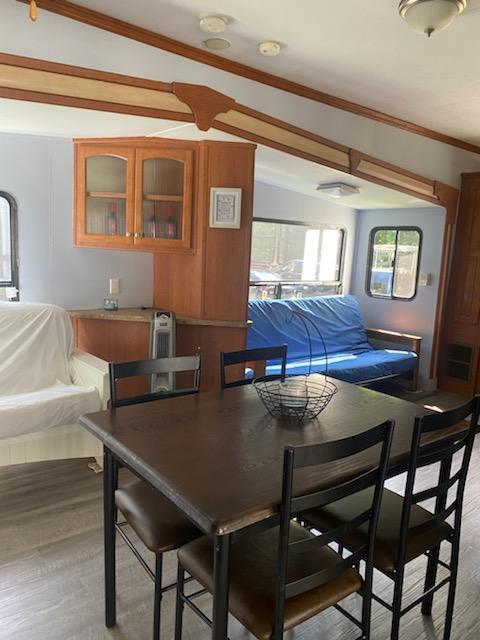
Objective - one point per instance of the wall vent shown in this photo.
(459, 361)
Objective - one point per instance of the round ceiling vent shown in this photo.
(217, 43)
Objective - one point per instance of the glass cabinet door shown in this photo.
(163, 205)
(104, 209)
(105, 212)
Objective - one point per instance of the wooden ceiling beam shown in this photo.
(113, 25)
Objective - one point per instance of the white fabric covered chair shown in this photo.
(45, 386)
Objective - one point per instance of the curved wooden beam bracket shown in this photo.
(205, 103)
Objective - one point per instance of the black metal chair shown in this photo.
(280, 573)
(250, 355)
(156, 521)
(405, 529)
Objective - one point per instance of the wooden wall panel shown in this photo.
(210, 341)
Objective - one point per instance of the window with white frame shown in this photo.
(8, 247)
(292, 260)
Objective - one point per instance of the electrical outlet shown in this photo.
(114, 286)
(425, 279)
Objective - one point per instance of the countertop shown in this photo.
(140, 314)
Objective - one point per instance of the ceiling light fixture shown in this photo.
(217, 43)
(213, 24)
(338, 189)
(429, 16)
(269, 48)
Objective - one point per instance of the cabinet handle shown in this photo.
(128, 234)
(138, 235)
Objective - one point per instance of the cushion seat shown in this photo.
(157, 521)
(253, 572)
(60, 404)
(355, 367)
(388, 530)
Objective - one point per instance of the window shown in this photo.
(394, 260)
(294, 260)
(8, 245)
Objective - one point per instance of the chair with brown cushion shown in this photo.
(156, 521)
(405, 529)
(246, 356)
(283, 575)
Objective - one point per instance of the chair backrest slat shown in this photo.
(179, 364)
(264, 354)
(309, 544)
(433, 522)
(308, 455)
(438, 490)
(324, 497)
(296, 458)
(439, 453)
(307, 583)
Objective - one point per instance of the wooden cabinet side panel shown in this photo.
(115, 341)
(227, 251)
(463, 302)
(178, 278)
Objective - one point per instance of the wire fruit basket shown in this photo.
(297, 397)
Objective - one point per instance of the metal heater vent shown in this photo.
(163, 346)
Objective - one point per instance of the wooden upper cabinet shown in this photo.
(134, 196)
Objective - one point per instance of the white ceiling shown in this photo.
(272, 167)
(358, 50)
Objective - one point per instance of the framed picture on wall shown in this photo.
(225, 207)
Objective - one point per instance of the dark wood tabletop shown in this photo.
(218, 455)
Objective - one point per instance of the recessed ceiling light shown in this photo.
(217, 43)
(338, 189)
(213, 24)
(269, 48)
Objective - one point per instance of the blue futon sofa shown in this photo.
(350, 355)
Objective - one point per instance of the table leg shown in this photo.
(221, 568)
(109, 483)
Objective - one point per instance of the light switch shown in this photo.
(114, 285)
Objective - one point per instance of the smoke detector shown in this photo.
(213, 24)
(338, 189)
(217, 43)
(269, 48)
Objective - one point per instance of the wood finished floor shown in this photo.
(51, 569)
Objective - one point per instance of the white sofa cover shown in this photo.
(38, 383)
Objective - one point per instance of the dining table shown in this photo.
(218, 456)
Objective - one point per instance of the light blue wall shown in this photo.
(282, 204)
(38, 172)
(415, 316)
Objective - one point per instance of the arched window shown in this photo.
(8, 247)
